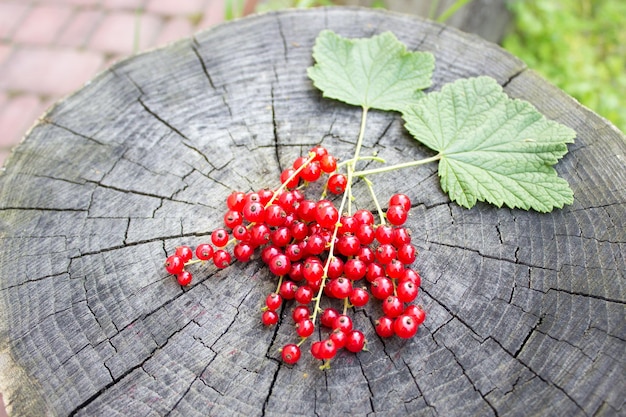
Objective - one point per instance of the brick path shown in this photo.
(50, 48)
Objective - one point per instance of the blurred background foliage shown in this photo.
(579, 45)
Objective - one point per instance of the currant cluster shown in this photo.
(316, 251)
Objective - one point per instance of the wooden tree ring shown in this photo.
(525, 310)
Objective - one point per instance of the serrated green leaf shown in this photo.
(492, 148)
(377, 73)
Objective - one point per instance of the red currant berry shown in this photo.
(293, 252)
(174, 264)
(300, 313)
(328, 163)
(236, 200)
(416, 312)
(392, 306)
(295, 273)
(287, 201)
(335, 268)
(311, 172)
(411, 275)
(304, 294)
(268, 253)
(394, 269)
(401, 200)
(316, 350)
(337, 183)
(219, 237)
(348, 245)
(265, 195)
(305, 328)
(275, 215)
(306, 210)
(364, 217)
(365, 233)
(407, 291)
(184, 252)
(242, 233)
(288, 290)
(286, 174)
(384, 234)
(366, 254)
(348, 225)
(407, 254)
(374, 270)
(259, 234)
(401, 236)
(184, 278)
(281, 236)
(355, 341)
(405, 326)
(319, 152)
(269, 317)
(343, 322)
(243, 252)
(301, 160)
(233, 219)
(328, 349)
(339, 337)
(359, 297)
(381, 288)
(340, 287)
(354, 269)
(204, 252)
(396, 215)
(221, 258)
(315, 244)
(313, 271)
(328, 317)
(385, 253)
(254, 212)
(273, 301)
(384, 326)
(290, 353)
(326, 215)
(299, 230)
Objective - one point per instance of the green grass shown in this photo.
(580, 46)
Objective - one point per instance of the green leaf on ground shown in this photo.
(377, 72)
(492, 148)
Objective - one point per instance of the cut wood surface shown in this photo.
(525, 310)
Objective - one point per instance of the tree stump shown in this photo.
(525, 310)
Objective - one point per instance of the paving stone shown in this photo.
(80, 28)
(48, 71)
(213, 14)
(175, 29)
(116, 33)
(11, 14)
(42, 25)
(175, 8)
(16, 116)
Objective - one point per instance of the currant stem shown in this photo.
(376, 203)
(280, 282)
(350, 167)
(294, 175)
(362, 158)
(398, 166)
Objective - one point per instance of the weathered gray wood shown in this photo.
(526, 310)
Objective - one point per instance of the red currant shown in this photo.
(273, 301)
(401, 200)
(405, 326)
(416, 312)
(343, 322)
(335, 268)
(407, 254)
(291, 353)
(232, 219)
(311, 172)
(366, 234)
(396, 215)
(304, 294)
(337, 183)
(364, 217)
(354, 269)
(381, 288)
(348, 245)
(184, 278)
(384, 234)
(243, 252)
(288, 173)
(339, 337)
(184, 252)
(407, 291)
(269, 317)
(221, 258)
(411, 275)
(359, 297)
(319, 152)
(328, 317)
(300, 313)
(254, 212)
(392, 306)
(275, 215)
(328, 349)
(328, 164)
(326, 215)
(305, 328)
(204, 252)
(288, 290)
(174, 264)
(385, 253)
(355, 341)
(219, 237)
(384, 327)
(236, 200)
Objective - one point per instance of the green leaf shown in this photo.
(377, 72)
(492, 148)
